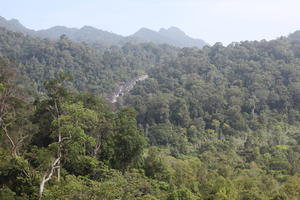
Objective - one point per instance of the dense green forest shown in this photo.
(94, 70)
(217, 123)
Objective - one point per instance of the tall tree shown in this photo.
(13, 108)
(70, 126)
(129, 140)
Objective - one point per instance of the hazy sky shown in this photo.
(212, 20)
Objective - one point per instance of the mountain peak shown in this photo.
(172, 36)
(15, 21)
(144, 30)
(14, 25)
(58, 27)
(86, 27)
(174, 31)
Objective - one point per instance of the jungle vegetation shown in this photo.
(217, 123)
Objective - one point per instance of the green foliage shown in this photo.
(292, 188)
(94, 70)
(129, 140)
(74, 187)
(16, 177)
(182, 194)
(7, 194)
(154, 166)
(221, 122)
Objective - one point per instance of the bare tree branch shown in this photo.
(48, 175)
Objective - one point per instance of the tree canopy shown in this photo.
(212, 123)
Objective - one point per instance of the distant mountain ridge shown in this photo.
(171, 36)
(85, 34)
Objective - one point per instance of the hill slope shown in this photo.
(94, 70)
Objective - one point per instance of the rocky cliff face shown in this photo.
(125, 88)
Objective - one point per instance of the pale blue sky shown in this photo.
(212, 20)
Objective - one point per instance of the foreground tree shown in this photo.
(70, 126)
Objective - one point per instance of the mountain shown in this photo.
(294, 36)
(148, 35)
(172, 36)
(85, 34)
(15, 25)
(88, 34)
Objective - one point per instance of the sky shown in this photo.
(214, 21)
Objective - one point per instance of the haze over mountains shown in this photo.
(171, 36)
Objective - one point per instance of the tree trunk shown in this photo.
(48, 175)
(59, 155)
(253, 111)
(12, 143)
(59, 141)
(96, 149)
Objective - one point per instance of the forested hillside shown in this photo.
(218, 123)
(94, 70)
